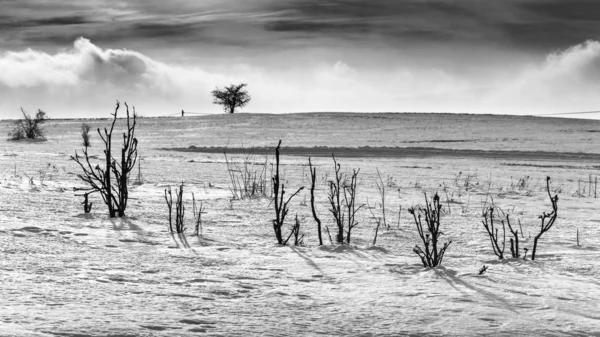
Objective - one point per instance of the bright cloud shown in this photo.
(85, 80)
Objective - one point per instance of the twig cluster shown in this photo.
(179, 209)
(547, 219)
(342, 199)
(313, 179)
(100, 179)
(281, 206)
(430, 255)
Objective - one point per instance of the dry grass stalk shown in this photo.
(198, 211)
(247, 179)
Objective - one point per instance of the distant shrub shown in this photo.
(29, 127)
(85, 134)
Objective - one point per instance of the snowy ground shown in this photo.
(65, 273)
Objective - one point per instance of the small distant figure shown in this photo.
(182, 113)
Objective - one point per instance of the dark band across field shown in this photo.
(398, 152)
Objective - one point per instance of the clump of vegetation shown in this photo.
(493, 232)
(343, 209)
(99, 179)
(29, 127)
(498, 239)
(547, 219)
(85, 134)
(247, 178)
(231, 97)
(179, 210)
(281, 206)
(430, 255)
(313, 179)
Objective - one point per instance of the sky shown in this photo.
(76, 58)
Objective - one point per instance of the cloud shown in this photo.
(85, 80)
(87, 77)
(565, 81)
(533, 25)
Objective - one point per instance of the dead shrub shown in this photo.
(430, 255)
(342, 199)
(313, 179)
(281, 206)
(100, 179)
(179, 209)
(547, 219)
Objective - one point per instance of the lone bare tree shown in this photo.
(114, 194)
(231, 97)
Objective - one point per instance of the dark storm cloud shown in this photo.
(530, 24)
(395, 20)
(526, 24)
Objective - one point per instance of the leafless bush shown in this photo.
(114, 193)
(281, 207)
(514, 241)
(179, 210)
(313, 179)
(343, 210)
(547, 219)
(334, 197)
(350, 203)
(29, 127)
(493, 231)
(430, 255)
(85, 134)
(298, 239)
